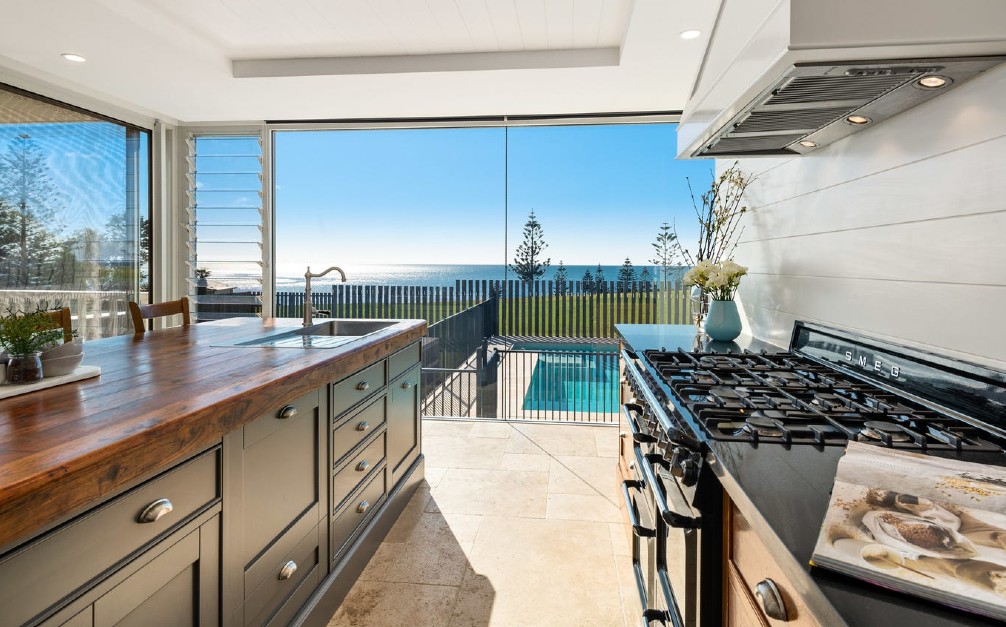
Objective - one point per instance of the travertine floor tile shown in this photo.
(606, 441)
(464, 452)
(372, 603)
(558, 439)
(434, 475)
(382, 562)
(626, 576)
(446, 427)
(474, 606)
(620, 539)
(410, 516)
(525, 461)
(582, 475)
(582, 507)
(490, 430)
(491, 493)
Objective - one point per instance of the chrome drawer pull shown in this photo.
(771, 600)
(363, 425)
(155, 511)
(362, 507)
(288, 570)
(287, 412)
(407, 385)
(363, 386)
(362, 466)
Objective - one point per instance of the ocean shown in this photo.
(443, 275)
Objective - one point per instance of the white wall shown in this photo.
(898, 231)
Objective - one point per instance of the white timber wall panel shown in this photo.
(898, 231)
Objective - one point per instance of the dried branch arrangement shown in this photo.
(719, 212)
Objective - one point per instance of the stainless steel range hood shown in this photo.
(823, 70)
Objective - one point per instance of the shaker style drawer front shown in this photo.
(280, 475)
(360, 466)
(357, 509)
(763, 578)
(356, 428)
(285, 575)
(403, 360)
(36, 577)
(357, 387)
(278, 418)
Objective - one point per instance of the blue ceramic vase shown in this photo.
(723, 323)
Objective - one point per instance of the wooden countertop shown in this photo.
(161, 398)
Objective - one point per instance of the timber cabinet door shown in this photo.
(275, 499)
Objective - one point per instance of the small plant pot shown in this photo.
(25, 368)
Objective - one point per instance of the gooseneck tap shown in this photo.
(308, 308)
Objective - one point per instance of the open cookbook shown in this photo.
(921, 524)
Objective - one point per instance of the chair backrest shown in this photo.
(62, 318)
(139, 313)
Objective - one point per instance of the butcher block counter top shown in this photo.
(161, 398)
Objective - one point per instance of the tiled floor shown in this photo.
(517, 524)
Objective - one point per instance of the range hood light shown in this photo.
(76, 58)
(808, 144)
(933, 82)
(689, 34)
(858, 120)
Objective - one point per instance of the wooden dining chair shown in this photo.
(140, 313)
(62, 318)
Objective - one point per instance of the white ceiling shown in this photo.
(174, 58)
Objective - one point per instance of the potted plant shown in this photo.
(202, 274)
(720, 281)
(23, 336)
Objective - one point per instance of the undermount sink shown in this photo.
(342, 328)
(330, 334)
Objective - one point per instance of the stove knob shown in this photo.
(688, 468)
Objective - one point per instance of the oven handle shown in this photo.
(673, 612)
(671, 517)
(637, 435)
(637, 527)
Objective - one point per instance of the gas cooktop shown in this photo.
(787, 398)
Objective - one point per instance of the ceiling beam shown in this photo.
(402, 64)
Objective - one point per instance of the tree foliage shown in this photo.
(561, 279)
(665, 248)
(587, 283)
(626, 276)
(529, 261)
(600, 285)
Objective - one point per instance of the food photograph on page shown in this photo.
(922, 524)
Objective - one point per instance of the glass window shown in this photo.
(74, 212)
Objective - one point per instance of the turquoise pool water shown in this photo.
(577, 378)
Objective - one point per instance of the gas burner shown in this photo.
(884, 431)
(763, 426)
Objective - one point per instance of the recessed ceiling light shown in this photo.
(933, 81)
(858, 120)
(76, 58)
(689, 34)
(808, 144)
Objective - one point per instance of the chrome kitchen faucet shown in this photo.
(308, 307)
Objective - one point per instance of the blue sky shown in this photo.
(448, 195)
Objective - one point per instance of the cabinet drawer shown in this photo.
(357, 387)
(742, 610)
(279, 469)
(39, 575)
(357, 510)
(359, 467)
(754, 564)
(403, 360)
(352, 430)
(263, 602)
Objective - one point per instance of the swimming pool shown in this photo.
(574, 378)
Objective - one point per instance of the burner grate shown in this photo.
(785, 398)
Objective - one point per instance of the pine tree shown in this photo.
(561, 279)
(626, 276)
(27, 209)
(528, 264)
(666, 246)
(587, 283)
(600, 286)
(645, 280)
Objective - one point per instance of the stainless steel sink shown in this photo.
(339, 328)
(329, 334)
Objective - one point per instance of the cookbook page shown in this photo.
(919, 523)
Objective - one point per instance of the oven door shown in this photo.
(676, 565)
(644, 531)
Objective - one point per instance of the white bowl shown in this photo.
(56, 366)
(76, 347)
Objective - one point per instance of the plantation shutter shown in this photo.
(225, 218)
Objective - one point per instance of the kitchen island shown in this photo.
(777, 498)
(185, 408)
